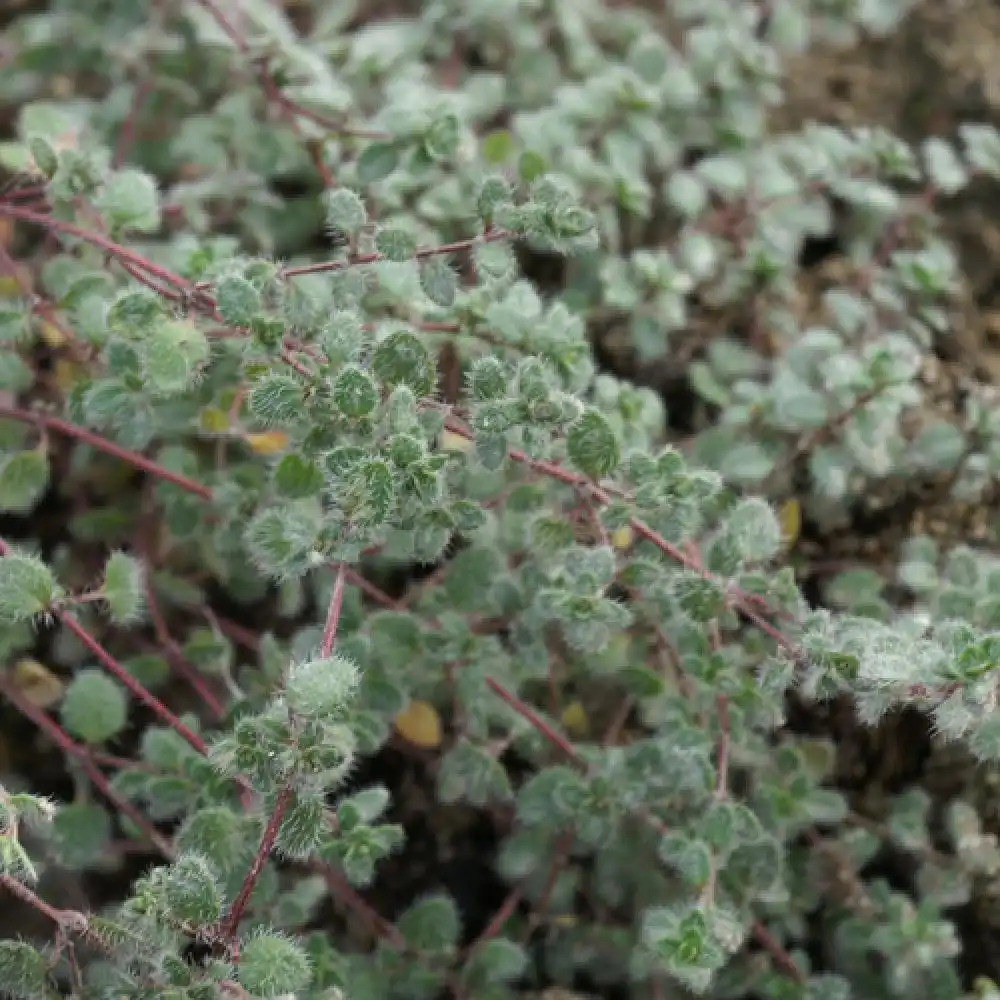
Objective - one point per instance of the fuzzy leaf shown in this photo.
(395, 244)
(276, 399)
(345, 211)
(172, 355)
(123, 588)
(354, 392)
(432, 924)
(592, 445)
(272, 965)
(237, 299)
(321, 688)
(281, 539)
(130, 200)
(24, 972)
(27, 587)
(403, 359)
(296, 477)
(192, 892)
(377, 161)
(24, 477)
(95, 708)
(498, 960)
(439, 281)
(81, 833)
(468, 772)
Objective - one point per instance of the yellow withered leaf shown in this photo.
(267, 442)
(214, 420)
(37, 683)
(420, 724)
(622, 538)
(450, 441)
(51, 335)
(790, 519)
(575, 720)
(66, 373)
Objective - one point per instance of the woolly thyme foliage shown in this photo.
(610, 631)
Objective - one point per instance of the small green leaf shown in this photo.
(281, 539)
(237, 299)
(345, 211)
(94, 708)
(592, 445)
(191, 891)
(123, 587)
(497, 146)
(24, 477)
(296, 477)
(395, 244)
(439, 281)
(171, 355)
(431, 925)
(442, 138)
(272, 965)
(24, 972)
(321, 688)
(27, 587)
(498, 960)
(362, 807)
(531, 165)
(15, 375)
(44, 155)
(403, 359)
(377, 161)
(81, 833)
(130, 200)
(468, 773)
(354, 392)
(276, 399)
(379, 490)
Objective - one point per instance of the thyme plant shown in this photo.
(306, 454)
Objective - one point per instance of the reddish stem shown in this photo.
(333, 612)
(378, 595)
(342, 889)
(126, 135)
(493, 236)
(59, 917)
(525, 711)
(778, 954)
(108, 447)
(260, 859)
(96, 239)
(176, 655)
(114, 668)
(270, 88)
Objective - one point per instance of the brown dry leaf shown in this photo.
(420, 724)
